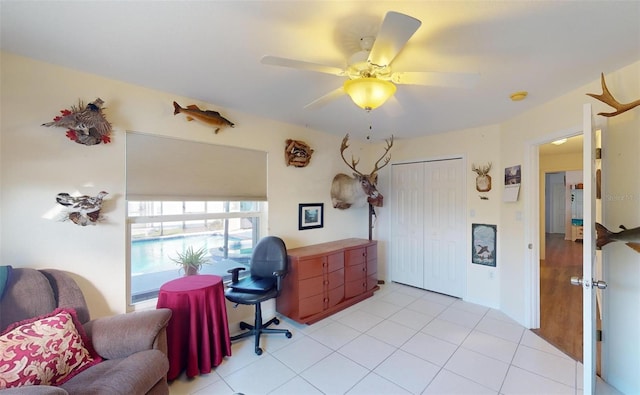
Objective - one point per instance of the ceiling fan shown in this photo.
(370, 76)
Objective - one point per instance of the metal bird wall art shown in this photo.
(85, 124)
(209, 117)
(81, 210)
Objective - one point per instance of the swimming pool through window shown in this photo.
(158, 230)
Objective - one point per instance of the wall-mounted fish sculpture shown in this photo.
(209, 117)
(631, 237)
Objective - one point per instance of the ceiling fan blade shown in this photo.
(299, 64)
(323, 100)
(433, 78)
(394, 33)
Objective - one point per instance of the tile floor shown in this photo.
(403, 340)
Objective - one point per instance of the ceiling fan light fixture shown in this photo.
(369, 92)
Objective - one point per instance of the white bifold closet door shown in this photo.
(427, 225)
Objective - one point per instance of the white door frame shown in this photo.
(531, 174)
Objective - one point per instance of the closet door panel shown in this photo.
(407, 241)
(444, 222)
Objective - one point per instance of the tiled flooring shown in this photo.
(403, 340)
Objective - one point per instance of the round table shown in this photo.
(198, 331)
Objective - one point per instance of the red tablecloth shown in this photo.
(198, 332)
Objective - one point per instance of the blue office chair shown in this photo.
(269, 264)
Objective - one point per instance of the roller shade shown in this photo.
(165, 168)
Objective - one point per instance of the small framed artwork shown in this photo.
(483, 248)
(310, 216)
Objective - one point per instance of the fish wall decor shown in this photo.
(209, 117)
(85, 124)
(631, 237)
(81, 210)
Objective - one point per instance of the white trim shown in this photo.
(531, 174)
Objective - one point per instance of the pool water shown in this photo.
(153, 255)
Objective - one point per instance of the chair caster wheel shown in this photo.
(288, 335)
(258, 351)
(276, 321)
(244, 325)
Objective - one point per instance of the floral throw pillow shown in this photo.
(47, 350)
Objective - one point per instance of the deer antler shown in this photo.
(607, 98)
(484, 170)
(354, 162)
(386, 160)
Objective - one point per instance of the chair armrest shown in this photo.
(235, 273)
(279, 275)
(122, 335)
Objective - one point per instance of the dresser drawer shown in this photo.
(311, 305)
(312, 267)
(354, 272)
(335, 296)
(311, 286)
(355, 256)
(335, 279)
(355, 288)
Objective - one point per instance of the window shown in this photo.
(184, 194)
(227, 230)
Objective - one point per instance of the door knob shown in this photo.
(575, 280)
(600, 284)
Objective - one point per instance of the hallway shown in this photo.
(560, 302)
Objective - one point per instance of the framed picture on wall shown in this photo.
(310, 216)
(483, 244)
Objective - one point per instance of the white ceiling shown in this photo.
(211, 50)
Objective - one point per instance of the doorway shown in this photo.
(560, 247)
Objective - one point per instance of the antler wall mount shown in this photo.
(483, 180)
(360, 189)
(607, 98)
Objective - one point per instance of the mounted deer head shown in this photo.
(607, 98)
(360, 189)
(483, 180)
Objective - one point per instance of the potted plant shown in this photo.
(191, 261)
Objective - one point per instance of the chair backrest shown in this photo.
(32, 293)
(269, 255)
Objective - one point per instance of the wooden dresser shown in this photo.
(326, 278)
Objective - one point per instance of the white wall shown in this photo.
(476, 146)
(38, 162)
(563, 116)
(621, 206)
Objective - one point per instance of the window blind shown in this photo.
(165, 168)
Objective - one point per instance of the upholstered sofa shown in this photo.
(132, 346)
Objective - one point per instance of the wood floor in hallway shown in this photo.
(561, 302)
